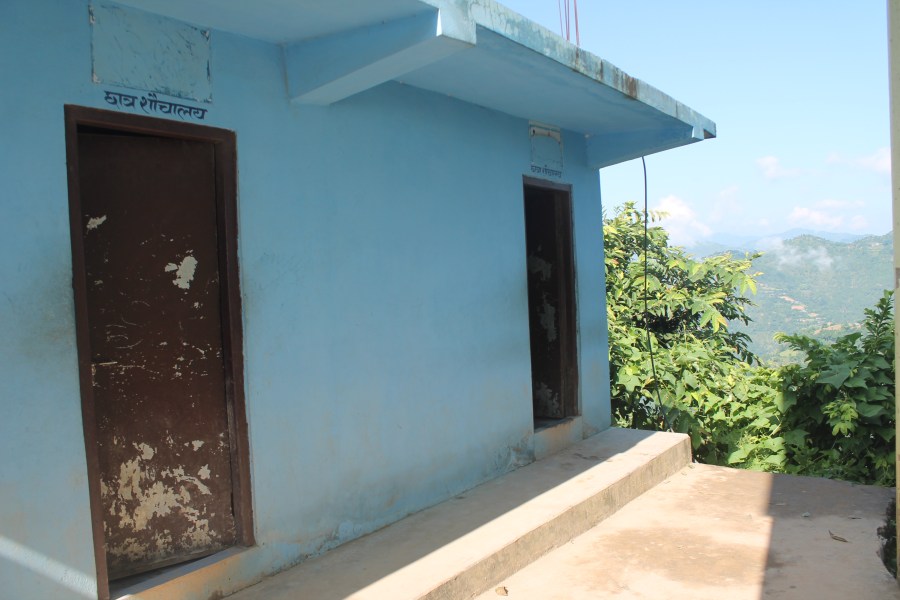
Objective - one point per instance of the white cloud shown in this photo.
(789, 256)
(829, 203)
(729, 192)
(680, 220)
(772, 169)
(802, 216)
(830, 215)
(877, 162)
(769, 243)
(858, 222)
(818, 257)
(727, 205)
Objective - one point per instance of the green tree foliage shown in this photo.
(701, 378)
(702, 367)
(839, 405)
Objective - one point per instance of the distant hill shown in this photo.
(718, 244)
(814, 286)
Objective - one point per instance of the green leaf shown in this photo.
(869, 410)
(855, 382)
(690, 379)
(776, 444)
(738, 456)
(886, 433)
(784, 401)
(776, 460)
(836, 377)
(878, 362)
(696, 440)
(795, 437)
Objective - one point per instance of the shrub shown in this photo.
(839, 405)
(675, 364)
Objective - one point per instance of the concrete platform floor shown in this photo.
(465, 545)
(724, 534)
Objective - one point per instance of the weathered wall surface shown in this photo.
(384, 294)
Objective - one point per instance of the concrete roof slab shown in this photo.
(281, 21)
(478, 51)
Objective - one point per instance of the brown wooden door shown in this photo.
(153, 298)
(551, 302)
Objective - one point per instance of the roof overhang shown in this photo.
(474, 50)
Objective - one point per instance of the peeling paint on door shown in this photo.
(547, 398)
(166, 488)
(184, 272)
(142, 498)
(538, 265)
(95, 222)
(548, 320)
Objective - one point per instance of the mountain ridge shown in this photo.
(815, 286)
(718, 244)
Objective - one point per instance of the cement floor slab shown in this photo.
(465, 545)
(723, 534)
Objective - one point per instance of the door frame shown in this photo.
(225, 153)
(568, 290)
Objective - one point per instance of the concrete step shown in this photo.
(462, 547)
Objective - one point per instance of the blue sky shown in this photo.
(799, 93)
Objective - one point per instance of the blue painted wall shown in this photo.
(382, 258)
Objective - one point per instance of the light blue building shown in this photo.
(278, 273)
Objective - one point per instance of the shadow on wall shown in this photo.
(76, 583)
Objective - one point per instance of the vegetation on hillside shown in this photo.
(797, 290)
(677, 362)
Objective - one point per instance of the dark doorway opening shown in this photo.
(154, 246)
(551, 301)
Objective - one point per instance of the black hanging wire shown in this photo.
(659, 404)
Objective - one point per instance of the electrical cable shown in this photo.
(559, 7)
(659, 404)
